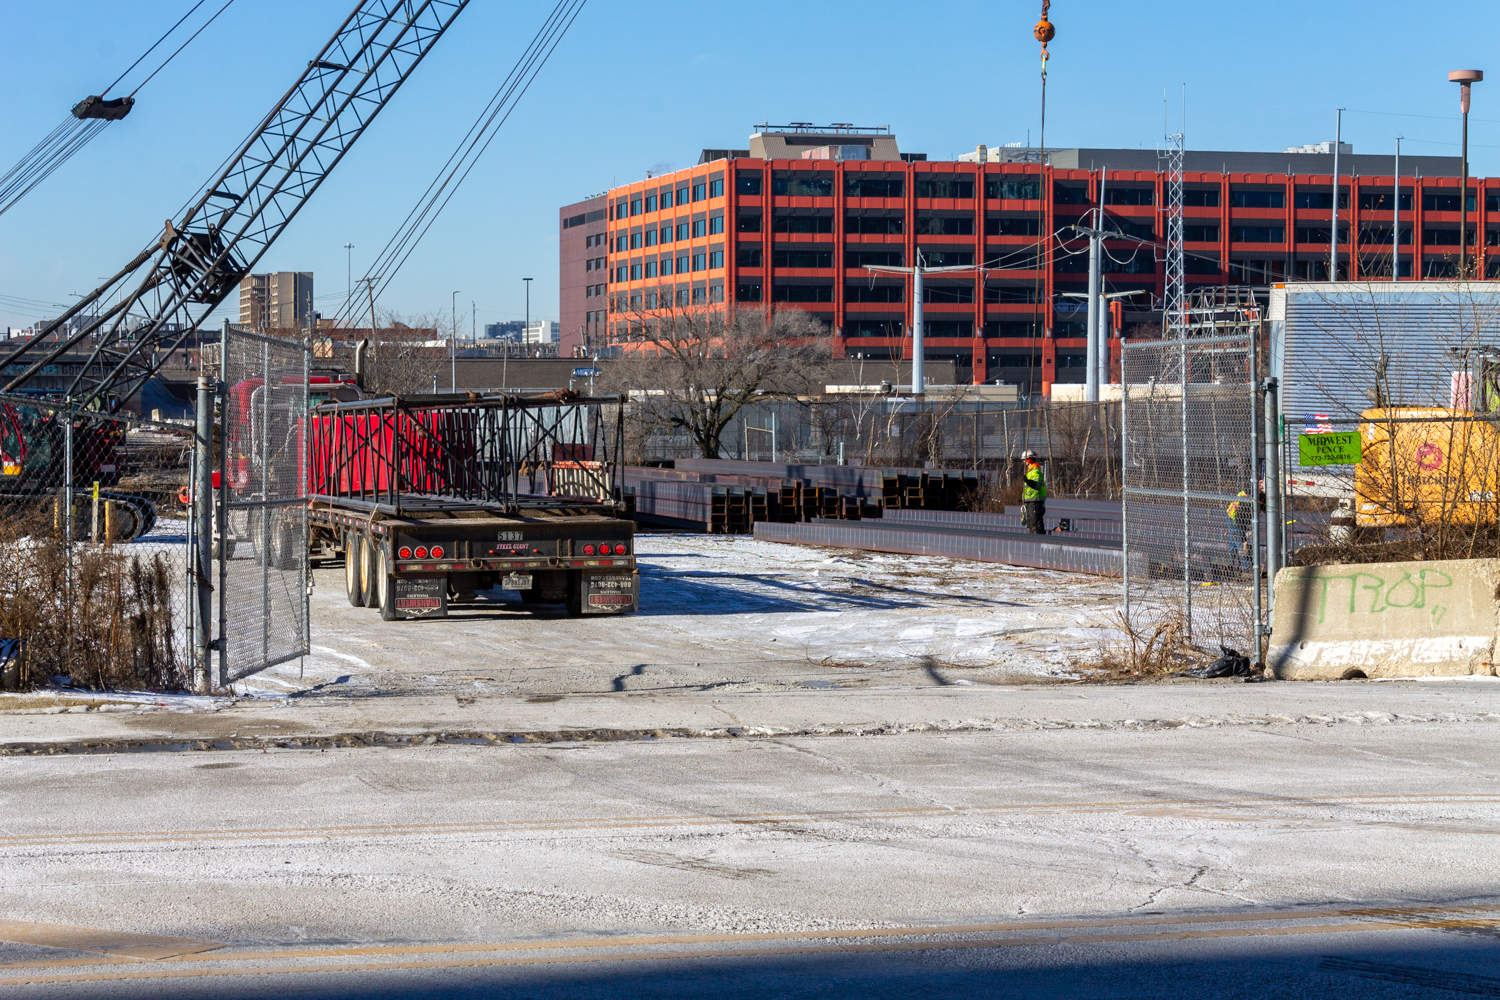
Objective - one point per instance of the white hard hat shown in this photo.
(1028, 453)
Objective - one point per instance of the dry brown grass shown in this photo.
(1155, 646)
(111, 626)
(992, 497)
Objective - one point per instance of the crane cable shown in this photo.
(87, 119)
(470, 148)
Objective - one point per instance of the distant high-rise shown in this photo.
(280, 301)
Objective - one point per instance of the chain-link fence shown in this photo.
(94, 534)
(263, 568)
(1191, 502)
(1080, 440)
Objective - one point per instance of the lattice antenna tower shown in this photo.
(1174, 304)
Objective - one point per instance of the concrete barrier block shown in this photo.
(1410, 619)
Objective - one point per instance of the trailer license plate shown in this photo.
(516, 581)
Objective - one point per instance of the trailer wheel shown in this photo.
(351, 570)
(385, 587)
(367, 571)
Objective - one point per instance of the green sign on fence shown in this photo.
(1336, 448)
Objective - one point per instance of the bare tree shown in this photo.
(403, 359)
(695, 369)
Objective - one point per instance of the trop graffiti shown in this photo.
(1372, 592)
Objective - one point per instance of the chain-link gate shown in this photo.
(263, 568)
(94, 534)
(1190, 467)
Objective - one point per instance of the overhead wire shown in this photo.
(75, 132)
(468, 151)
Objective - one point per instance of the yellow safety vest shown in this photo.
(1037, 492)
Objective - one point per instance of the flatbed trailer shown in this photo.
(430, 499)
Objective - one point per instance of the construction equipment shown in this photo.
(1426, 465)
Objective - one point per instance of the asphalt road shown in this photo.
(1286, 859)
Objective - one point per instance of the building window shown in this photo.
(635, 301)
(747, 222)
(1021, 188)
(747, 293)
(1257, 199)
(873, 328)
(948, 328)
(650, 202)
(948, 293)
(1200, 198)
(700, 261)
(650, 271)
(635, 206)
(748, 182)
(700, 191)
(1257, 234)
(700, 295)
(802, 223)
(716, 190)
(682, 264)
(1200, 234)
(1442, 202)
(1324, 200)
(1072, 361)
(650, 237)
(666, 266)
(940, 226)
(1130, 196)
(588, 291)
(939, 186)
(666, 234)
(682, 196)
(682, 230)
(1320, 234)
(716, 292)
(620, 273)
(588, 241)
(1011, 227)
(857, 185)
(1436, 237)
(1380, 201)
(802, 293)
(747, 255)
(802, 258)
(875, 225)
(715, 259)
(716, 225)
(1008, 294)
(699, 228)
(1025, 258)
(635, 272)
(1145, 230)
(635, 241)
(666, 199)
(682, 296)
(1196, 264)
(885, 258)
(947, 258)
(622, 243)
(801, 184)
(588, 265)
(863, 292)
(1067, 194)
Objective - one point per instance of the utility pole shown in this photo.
(1396, 219)
(473, 324)
(527, 328)
(918, 374)
(1464, 77)
(453, 344)
(1091, 373)
(1333, 238)
(348, 274)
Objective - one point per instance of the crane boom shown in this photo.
(162, 296)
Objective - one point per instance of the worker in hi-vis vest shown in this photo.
(1033, 494)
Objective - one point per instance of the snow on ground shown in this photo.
(721, 611)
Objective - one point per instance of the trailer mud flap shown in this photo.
(420, 596)
(610, 593)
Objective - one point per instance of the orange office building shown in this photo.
(793, 221)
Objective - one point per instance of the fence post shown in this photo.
(1274, 518)
(1187, 530)
(1125, 490)
(1254, 499)
(203, 525)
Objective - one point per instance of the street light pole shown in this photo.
(527, 328)
(1464, 77)
(453, 343)
(918, 348)
(348, 275)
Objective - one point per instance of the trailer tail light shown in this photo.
(421, 552)
(437, 552)
(405, 552)
(604, 550)
(620, 549)
(588, 550)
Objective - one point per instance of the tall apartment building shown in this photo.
(279, 301)
(792, 221)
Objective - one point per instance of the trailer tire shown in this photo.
(385, 587)
(367, 567)
(351, 570)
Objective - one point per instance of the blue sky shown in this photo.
(646, 85)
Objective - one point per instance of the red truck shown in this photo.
(432, 498)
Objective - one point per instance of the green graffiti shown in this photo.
(1371, 593)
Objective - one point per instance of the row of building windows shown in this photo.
(666, 298)
(711, 260)
(681, 231)
(665, 198)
